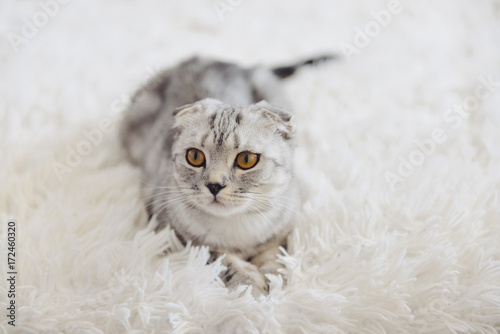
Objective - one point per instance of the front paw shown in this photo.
(247, 274)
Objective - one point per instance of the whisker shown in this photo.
(168, 204)
(161, 194)
(281, 203)
(164, 199)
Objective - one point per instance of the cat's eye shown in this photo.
(195, 157)
(247, 160)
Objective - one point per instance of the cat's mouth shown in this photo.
(219, 207)
(217, 203)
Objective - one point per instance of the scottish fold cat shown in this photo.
(215, 144)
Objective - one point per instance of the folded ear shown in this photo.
(197, 106)
(184, 114)
(186, 109)
(282, 118)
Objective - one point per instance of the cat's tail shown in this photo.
(286, 71)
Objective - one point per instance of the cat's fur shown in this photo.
(220, 109)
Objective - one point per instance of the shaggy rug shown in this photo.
(398, 161)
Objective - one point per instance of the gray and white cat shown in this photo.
(216, 153)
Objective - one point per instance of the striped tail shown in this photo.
(286, 71)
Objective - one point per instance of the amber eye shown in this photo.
(247, 160)
(195, 157)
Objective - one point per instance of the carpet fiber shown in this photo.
(398, 162)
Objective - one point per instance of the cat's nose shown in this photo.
(215, 188)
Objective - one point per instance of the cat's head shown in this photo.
(230, 160)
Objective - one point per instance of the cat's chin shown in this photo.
(220, 209)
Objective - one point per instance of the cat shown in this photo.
(215, 147)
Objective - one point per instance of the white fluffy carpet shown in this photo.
(399, 162)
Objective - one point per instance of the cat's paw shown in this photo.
(246, 274)
(270, 267)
